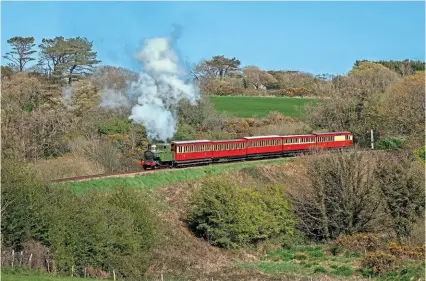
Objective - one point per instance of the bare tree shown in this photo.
(338, 196)
(257, 78)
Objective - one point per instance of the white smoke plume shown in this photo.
(66, 96)
(113, 99)
(159, 89)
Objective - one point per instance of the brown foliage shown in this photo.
(353, 102)
(379, 262)
(335, 194)
(359, 242)
(226, 87)
(111, 77)
(403, 109)
(256, 78)
(33, 255)
(406, 252)
(96, 273)
(237, 126)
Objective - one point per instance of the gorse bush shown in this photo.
(229, 215)
(106, 231)
(359, 242)
(378, 262)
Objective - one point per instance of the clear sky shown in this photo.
(316, 37)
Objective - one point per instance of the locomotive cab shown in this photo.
(156, 156)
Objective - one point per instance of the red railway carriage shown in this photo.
(196, 150)
(298, 143)
(229, 148)
(334, 140)
(264, 145)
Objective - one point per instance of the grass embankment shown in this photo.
(315, 260)
(22, 274)
(260, 106)
(163, 177)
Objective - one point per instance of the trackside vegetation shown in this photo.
(87, 235)
(230, 215)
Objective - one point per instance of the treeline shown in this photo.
(58, 58)
(405, 67)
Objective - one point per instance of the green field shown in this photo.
(259, 106)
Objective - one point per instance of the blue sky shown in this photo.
(316, 37)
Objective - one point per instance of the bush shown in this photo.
(115, 126)
(101, 231)
(360, 242)
(230, 216)
(378, 262)
(390, 143)
(336, 195)
(405, 251)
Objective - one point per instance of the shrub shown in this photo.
(405, 251)
(360, 242)
(98, 230)
(378, 262)
(115, 126)
(336, 195)
(390, 143)
(230, 216)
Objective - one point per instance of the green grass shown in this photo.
(16, 277)
(162, 178)
(304, 260)
(23, 274)
(259, 106)
(308, 260)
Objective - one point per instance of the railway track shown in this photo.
(144, 172)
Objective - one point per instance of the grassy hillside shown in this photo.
(259, 106)
(164, 177)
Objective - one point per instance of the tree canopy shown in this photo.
(22, 51)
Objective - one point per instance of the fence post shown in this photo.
(29, 260)
(13, 257)
(72, 271)
(20, 258)
(113, 273)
